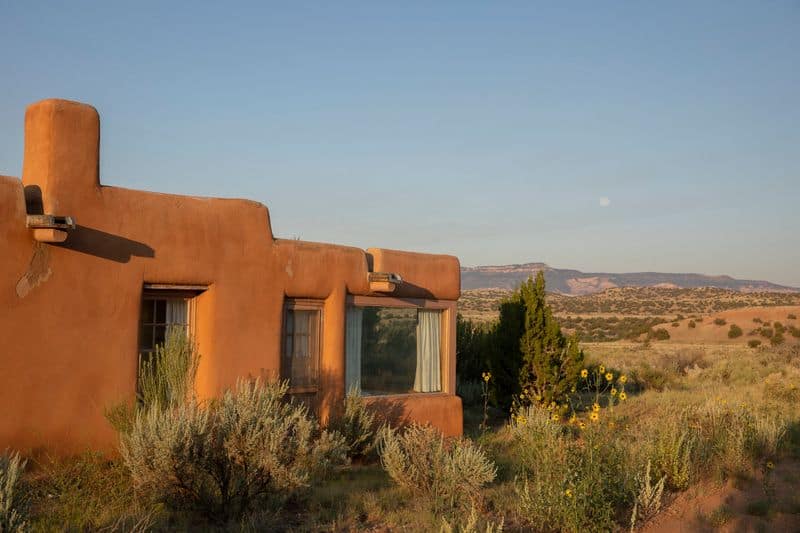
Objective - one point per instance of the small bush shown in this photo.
(357, 426)
(734, 332)
(12, 500)
(692, 324)
(446, 475)
(791, 316)
(766, 332)
(568, 484)
(672, 455)
(660, 334)
(754, 343)
(757, 320)
(777, 339)
(648, 497)
(675, 324)
(719, 321)
(248, 449)
(794, 331)
(166, 378)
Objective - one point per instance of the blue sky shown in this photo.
(600, 136)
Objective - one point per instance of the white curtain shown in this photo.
(428, 378)
(177, 312)
(352, 365)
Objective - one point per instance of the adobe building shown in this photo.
(91, 277)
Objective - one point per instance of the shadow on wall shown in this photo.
(388, 411)
(105, 245)
(89, 240)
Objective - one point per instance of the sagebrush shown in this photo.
(250, 448)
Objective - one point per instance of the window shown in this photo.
(302, 335)
(161, 310)
(393, 350)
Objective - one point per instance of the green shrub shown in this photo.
(791, 316)
(766, 332)
(692, 324)
(659, 334)
(734, 332)
(794, 331)
(165, 379)
(249, 449)
(568, 484)
(357, 425)
(672, 454)
(445, 474)
(754, 343)
(719, 321)
(757, 320)
(12, 500)
(777, 339)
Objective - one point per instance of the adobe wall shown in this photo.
(69, 312)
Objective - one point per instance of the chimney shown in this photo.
(62, 155)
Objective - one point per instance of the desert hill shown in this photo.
(575, 282)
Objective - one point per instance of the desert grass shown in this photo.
(720, 415)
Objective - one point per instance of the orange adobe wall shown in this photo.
(69, 311)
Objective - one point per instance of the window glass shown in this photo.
(301, 347)
(399, 350)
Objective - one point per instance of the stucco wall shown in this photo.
(69, 312)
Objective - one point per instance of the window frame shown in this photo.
(302, 304)
(150, 294)
(447, 363)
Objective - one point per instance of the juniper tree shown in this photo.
(550, 362)
(505, 357)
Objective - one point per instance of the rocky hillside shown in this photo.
(575, 282)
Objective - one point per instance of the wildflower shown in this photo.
(602, 369)
(573, 419)
(594, 417)
(595, 407)
(555, 417)
(584, 373)
(486, 376)
(582, 425)
(623, 396)
(609, 376)
(522, 396)
(613, 391)
(770, 465)
(568, 493)
(623, 378)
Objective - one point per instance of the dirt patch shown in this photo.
(736, 506)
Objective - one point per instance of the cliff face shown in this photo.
(574, 282)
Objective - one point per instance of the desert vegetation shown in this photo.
(560, 435)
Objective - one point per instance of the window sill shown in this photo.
(404, 395)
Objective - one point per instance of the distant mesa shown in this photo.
(575, 282)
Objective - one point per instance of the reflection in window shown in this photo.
(393, 350)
